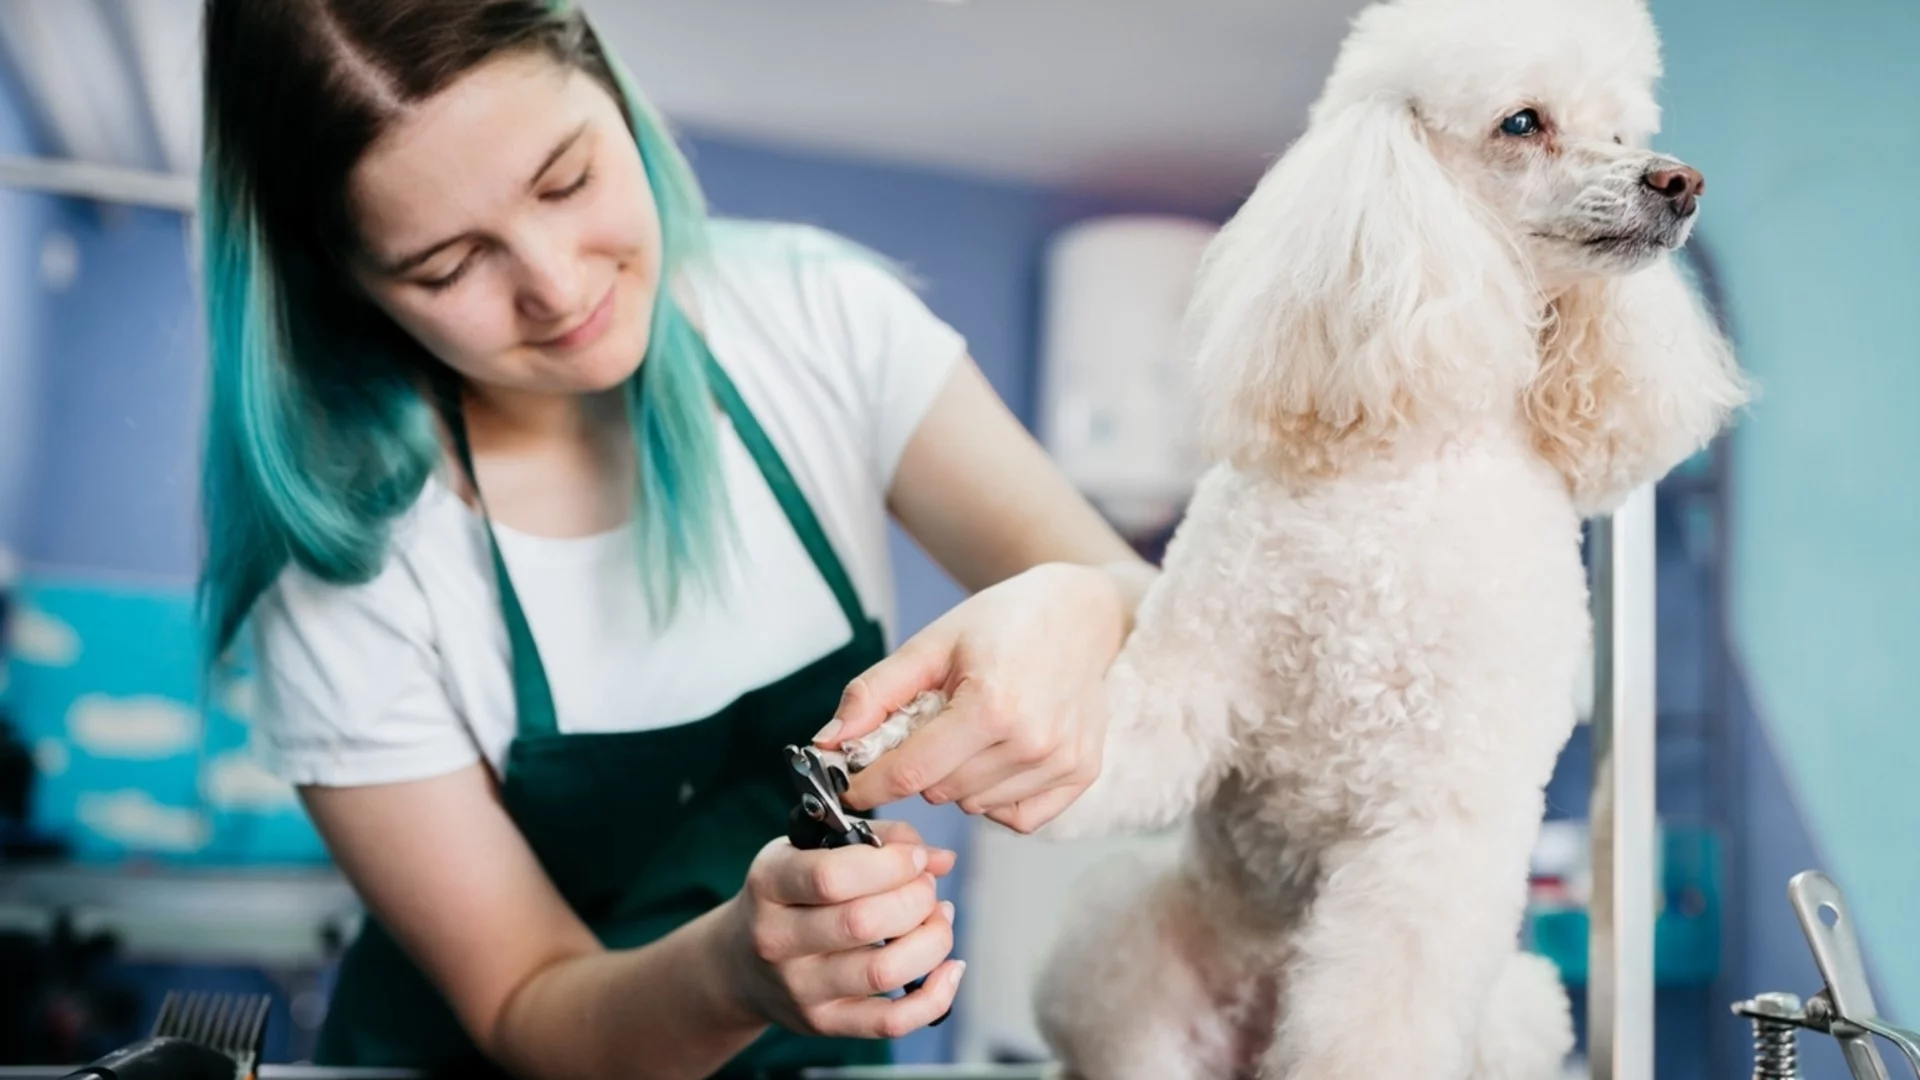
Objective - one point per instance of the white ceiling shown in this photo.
(1182, 99)
(1163, 97)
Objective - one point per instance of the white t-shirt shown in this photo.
(407, 676)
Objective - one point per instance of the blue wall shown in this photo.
(24, 222)
(1800, 117)
(116, 461)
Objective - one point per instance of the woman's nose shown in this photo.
(550, 284)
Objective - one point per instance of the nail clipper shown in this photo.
(820, 777)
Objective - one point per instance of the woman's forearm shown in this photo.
(670, 1010)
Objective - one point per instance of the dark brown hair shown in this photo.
(318, 432)
(297, 90)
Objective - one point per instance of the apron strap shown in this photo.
(534, 712)
(532, 694)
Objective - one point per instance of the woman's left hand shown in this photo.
(1022, 664)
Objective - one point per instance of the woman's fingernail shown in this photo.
(959, 969)
(946, 909)
(919, 859)
(827, 733)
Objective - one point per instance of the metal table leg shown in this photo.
(1625, 859)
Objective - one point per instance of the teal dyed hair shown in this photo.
(320, 429)
(683, 518)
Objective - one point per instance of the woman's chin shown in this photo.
(600, 369)
(602, 378)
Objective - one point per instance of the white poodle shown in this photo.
(1445, 328)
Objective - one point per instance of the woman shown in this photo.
(552, 511)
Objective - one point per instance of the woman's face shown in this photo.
(507, 224)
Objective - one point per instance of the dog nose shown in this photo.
(1680, 184)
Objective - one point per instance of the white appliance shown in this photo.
(1115, 411)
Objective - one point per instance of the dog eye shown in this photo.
(1523, 123)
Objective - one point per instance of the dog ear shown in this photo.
(1634, 378)
(1358, 292)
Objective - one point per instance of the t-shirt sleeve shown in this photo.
(350, 689)
(898, 352)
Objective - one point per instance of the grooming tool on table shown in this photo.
(195, 1037)
(820, 777)
(1843, 1008)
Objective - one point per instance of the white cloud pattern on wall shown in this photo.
(238, 699)
(50, 757)
(236, 781)
(37, 637)
(132, 818)
(140, 728)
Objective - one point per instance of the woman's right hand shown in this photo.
(804, 928)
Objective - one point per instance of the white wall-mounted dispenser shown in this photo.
(1114, 408)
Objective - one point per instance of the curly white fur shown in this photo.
(1427, 347)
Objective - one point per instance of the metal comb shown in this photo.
(234, 1024)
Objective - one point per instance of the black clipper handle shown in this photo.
(163, 1058)
(808, 834)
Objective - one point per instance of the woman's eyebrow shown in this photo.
(413, 261)
(559, 148)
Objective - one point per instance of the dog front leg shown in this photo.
(1406, 940)
(1167, 745)
(1184, 674)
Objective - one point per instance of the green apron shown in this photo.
(641, 831)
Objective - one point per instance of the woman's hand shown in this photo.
(1022, 664)
(802, 934)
